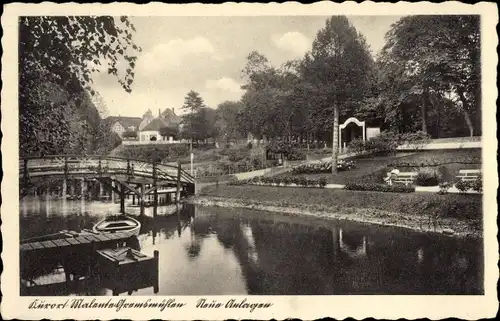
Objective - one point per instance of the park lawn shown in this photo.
(374, 169)
(364, 166)
(464, 207)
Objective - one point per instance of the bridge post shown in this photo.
(178, 191)
(112, 192)
(122, 199)
(82, 200)
(141, 201)
(99, 167)
(25, 172)
(155, 195)
(65, 181)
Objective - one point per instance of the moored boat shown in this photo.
(118, 223)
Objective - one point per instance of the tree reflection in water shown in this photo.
(280, 256)
(263, 253)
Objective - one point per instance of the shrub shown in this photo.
(249, 145)
(397, 188)
(477, 185)
(356, 145)
(383, 144)
(387, 142)
(427, 177)
(235, 156)
(296, 154)
(463, 186)
(444, 187)
(418, 137)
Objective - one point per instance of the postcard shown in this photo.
(249, 161)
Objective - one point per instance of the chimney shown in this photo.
(173, 111)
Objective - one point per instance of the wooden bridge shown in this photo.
(123, 176)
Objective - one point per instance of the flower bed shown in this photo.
(282, 181)
(323, 167)
(227, 168)
(475, 185)
(397, 188)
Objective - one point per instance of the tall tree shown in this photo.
(227, 120)
(262, 84)
(57, 57)
(339, 67)
(192, 120)
(427, 64)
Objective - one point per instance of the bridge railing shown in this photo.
(96, 164)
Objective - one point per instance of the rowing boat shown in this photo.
(118, 223)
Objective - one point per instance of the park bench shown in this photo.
(469, 174)
(404, 178)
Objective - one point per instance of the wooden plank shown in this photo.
(72, 241)
(112, 236)
(36, 245)
(26, 247)
(82, 240)
(92, 238)
(61, 243)
(48, 244)
(102, 237)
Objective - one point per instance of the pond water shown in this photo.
(219, 251)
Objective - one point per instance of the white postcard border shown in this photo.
(304, 307)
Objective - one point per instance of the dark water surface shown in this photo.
(218, 251)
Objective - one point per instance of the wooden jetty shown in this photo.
(91, 256)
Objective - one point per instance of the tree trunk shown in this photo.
(469, 122)
(465, 108)
(424, 111)
(335, 141)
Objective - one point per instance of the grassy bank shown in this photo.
(372, 169)
(419, 211)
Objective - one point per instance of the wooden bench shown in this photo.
(469, 174)
(404, 178)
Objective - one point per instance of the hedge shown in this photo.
(283, 180)
(397, 188)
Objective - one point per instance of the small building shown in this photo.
(163, 128)
(121, 124)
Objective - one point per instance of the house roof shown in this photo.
(155, 125)
(126, 122)
(170, 116)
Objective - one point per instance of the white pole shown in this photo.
(340, 139)
(192, 157)
(364, 132)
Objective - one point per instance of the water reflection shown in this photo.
(233, 251)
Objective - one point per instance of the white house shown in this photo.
(123, 124)
(150, 129)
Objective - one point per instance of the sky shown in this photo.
(207, 55)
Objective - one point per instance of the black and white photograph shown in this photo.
(249, 155)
